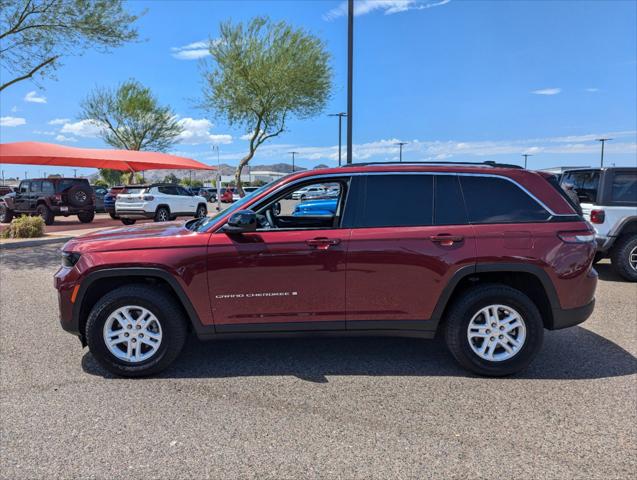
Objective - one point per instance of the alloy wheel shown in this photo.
(632, 258)
(496, 333)
(132, 334)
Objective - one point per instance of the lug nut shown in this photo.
(488, 331)
(129, 326)
(501, 337)
(141, 335)
(138, 327)
(492, 338)
(134, 340)
(126, 334)
(493, 325)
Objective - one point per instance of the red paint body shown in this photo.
(365, 274)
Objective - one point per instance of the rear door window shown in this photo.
(449, 208)
(624, 188)
(497, 200)
(47, 187)
(36, 186)
(395, 201)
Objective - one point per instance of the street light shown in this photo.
(400, 145)
(603, 140)
(350, 75)
(340, 116)
(526, 156)
(293, 153)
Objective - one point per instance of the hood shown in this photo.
(135, 237)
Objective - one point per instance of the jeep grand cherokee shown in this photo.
(489, 255)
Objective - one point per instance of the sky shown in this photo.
(457, 80)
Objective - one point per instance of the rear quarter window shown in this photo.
(624, 188)
(497, 200)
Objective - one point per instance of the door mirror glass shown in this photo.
(241, 222)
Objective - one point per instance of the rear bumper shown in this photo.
(134, 213)
(57, 210)
(569, 317)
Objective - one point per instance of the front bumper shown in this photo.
(65, 281)
(569, 317)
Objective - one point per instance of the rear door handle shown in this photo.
(323, 243)
(446, 240)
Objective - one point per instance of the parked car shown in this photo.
(48, 198)
(210, 194)
(227, 195)
(490, 256)
(5, 190)
(608, 198)
(308, 192)
(109, 200)
(159, 201)
(100, 192)
(316, 207)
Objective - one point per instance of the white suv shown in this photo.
(162, 202)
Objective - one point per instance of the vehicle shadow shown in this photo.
(573, 354)
(605, 271)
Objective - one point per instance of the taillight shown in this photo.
(149, 198)
(598, 216)
(578, 236)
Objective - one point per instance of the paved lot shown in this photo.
(343, 408)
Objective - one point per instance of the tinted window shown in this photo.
(47, 187)
(396, 201)
(168, 190)
(69, 182)
(183, 191)
(496, 200)
(584, 182)
(449, 206)
(24, 187)
(624, 187)
(36, 186)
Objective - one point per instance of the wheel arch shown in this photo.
(163, 205)
(529, 279)
(96, 284)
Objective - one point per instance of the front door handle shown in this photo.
(446, 240)
(322, 243)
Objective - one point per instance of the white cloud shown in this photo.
(14, 109)
(62, 138)
(592, 90)
(12, 121)
(59, 121)
(192, 51)
(33, 97)
(83, 128)
(48, 133)
(547, 91)
(197, 131)
(388, 7)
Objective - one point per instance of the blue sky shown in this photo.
(457, 80)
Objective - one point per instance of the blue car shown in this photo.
(316, 207)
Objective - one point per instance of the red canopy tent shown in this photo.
(38, 153)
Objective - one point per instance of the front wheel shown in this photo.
(6, 214)
(624, 257)
(128, 221)
(494, 330)
(86, 217)
(136, 331)
(46, 214)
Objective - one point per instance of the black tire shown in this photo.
(113, 216)
(202, 211)
(6, 214)
(599, 256)
(165, 309)
(79, 196)
(162, 214)
(620, 256)
(46, 214)
(303, 197)
(464, 308)
(128, 221)
(86, 217)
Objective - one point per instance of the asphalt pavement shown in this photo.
(312, 408)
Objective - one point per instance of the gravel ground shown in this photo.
(309, 408)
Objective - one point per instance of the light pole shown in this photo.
(350, 75)
(603, 140)
(400, 145)
(293, 154)
(340, 116)
(75, 173)
(526, 156)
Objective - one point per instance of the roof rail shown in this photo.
(488, 163)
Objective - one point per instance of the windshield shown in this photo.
(204, 223)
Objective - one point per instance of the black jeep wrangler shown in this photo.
(48, 197)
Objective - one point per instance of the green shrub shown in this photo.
(25, 227)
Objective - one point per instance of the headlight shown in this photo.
(69, 259)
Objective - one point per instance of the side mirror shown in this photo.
(242, 221)
(276, 208)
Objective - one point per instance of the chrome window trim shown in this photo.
(355, 174)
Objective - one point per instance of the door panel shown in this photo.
(398, 274)
(291, 280)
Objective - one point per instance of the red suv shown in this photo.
(489, 255)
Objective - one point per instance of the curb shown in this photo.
(33, 243)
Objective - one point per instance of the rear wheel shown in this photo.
(6, 214)
(162, 214)
(128, 221)
(624, 257)
(136, 331)
(494, 330)
(86, 217)
(46, 214)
